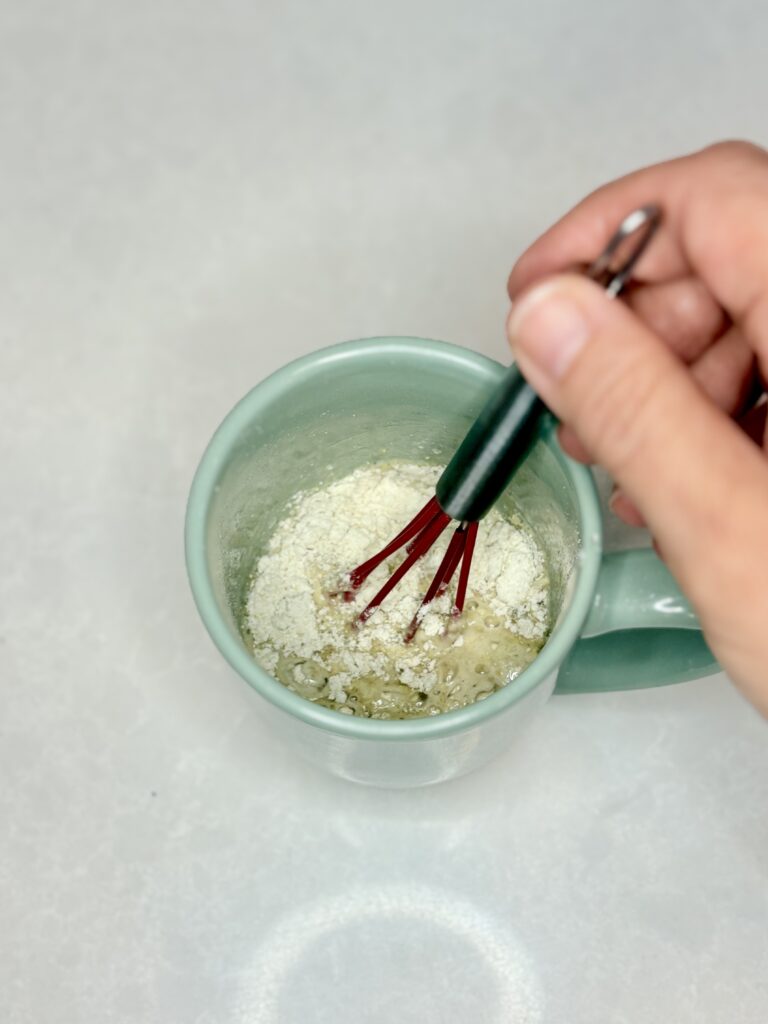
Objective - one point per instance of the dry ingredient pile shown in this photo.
(306, 638)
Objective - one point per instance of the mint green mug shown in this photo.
(620, 621)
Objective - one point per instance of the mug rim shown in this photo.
(214, 461)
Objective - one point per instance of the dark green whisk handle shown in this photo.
(503, 433)
(496, 444)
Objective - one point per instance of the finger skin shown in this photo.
(698, 482)
(647, 390)
(726, 374)
(622, 507)
(681, 312)
(572, 446)
(715, 227)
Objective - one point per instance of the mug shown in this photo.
(619, 620)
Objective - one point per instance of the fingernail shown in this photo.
(548, 329)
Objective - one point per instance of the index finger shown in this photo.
(580, 235)
(715, 206)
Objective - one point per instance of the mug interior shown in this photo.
(349, 406)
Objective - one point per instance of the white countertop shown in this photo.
(190, 195)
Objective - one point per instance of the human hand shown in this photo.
(666, 390)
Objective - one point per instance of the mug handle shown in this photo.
(640, 632)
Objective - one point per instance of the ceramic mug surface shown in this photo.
(620, 621)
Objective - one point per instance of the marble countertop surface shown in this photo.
(190, 195)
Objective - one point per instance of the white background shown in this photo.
(190, 195)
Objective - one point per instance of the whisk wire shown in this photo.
(360, 574)
(446, 569)
(422, 544)
(466, 562)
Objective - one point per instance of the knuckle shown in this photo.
(736, 150)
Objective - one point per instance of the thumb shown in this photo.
(636, 407)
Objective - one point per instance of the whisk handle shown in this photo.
(502, 434)
(496, 444)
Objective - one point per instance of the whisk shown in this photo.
(496, 444)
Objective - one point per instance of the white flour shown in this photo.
(305, 637)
